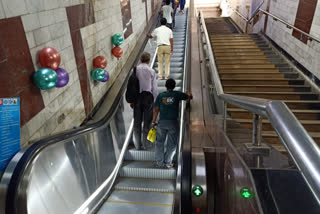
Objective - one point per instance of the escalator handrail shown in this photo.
(180, 148)
(301, 147)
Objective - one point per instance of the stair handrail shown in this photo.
(301, 147)
(290, 26)
(276, 18)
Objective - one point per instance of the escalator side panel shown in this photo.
(230, 175)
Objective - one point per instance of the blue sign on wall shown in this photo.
(9, 130)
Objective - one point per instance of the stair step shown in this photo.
(303, 104)
(296, 104)
(261, 81)
(252, 71)
(246, 66)
(272, 137)
(139, 155)
(250, 75)
(234, 50)
(309, 125)
(265, 88)
(241, 57)
(301, 114)
(227, 47)
(253, 53)
(172, 70)
(131, 202)
(279, 95)
(145, 169)
(219, 43)
(175, 59)
(243, 61)
(146, 185)
(172, 64)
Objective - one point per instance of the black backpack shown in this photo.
(133, 87)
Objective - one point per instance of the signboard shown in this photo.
(9, 130)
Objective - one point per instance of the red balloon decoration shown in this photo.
(49, 58)
(100, 62)
(117, 52)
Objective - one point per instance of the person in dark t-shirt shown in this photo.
(167, 103)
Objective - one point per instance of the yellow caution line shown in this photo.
(139, 203)
(131, 190)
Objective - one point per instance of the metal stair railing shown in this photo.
(275, 18)
(301, 147)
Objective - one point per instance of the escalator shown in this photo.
(93, 169)
(141, 186)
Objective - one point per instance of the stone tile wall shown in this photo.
(306, 54)
(45, 23)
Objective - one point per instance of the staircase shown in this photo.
(141, 187)
(249, 67)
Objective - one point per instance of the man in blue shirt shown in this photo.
(143, 106)
(167, 103)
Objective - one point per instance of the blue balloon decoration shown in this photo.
(45, 78)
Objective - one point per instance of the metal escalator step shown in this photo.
(145, 169)
(172, 64)
(133, 154)
(147, 185)
(131, 202)
(176, 59)
(172, 70)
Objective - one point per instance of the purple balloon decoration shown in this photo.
(106, 78)
(63, 77)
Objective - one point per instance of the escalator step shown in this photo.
(134, 154)
(147, 185)
(145, 169)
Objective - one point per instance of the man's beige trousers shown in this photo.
(164, 51)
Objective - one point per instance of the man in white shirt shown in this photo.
(167, 13)
(143, 106)
(164, 38)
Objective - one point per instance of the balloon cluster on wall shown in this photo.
(50, 75)
(117, 40)
(98, 73)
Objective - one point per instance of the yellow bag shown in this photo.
(152, 135)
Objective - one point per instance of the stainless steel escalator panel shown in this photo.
(61, 177)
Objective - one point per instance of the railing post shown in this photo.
(257, 145)
(256, 130)
(225, 116)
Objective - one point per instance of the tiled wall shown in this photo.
(306, 54)
(46, 23)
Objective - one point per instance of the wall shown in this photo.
(306, 54)
(79, 30)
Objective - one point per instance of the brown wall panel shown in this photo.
(80, 16)
(304, 18)
(16, 69)
(126, 18)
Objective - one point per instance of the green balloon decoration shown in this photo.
(45, 78)
(98, 74)
(117, 39)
